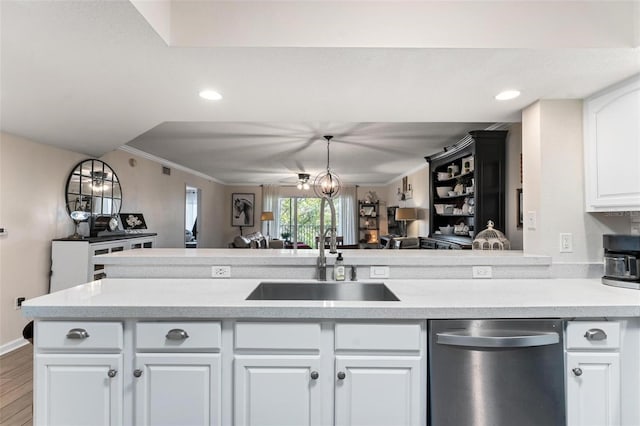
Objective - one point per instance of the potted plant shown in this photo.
(285, 236)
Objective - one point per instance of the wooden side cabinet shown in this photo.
(467, 187)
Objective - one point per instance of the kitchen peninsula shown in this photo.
(235, 361)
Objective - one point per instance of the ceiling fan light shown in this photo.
(305, 186)
(299, 185)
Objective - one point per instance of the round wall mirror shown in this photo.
(93, 187)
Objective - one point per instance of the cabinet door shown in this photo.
(612, 148)
(78, 390)
(177, 389)
(381, 390)
(277, 390)
(593, 389)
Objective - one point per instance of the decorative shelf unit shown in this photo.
(474, 170)
(369, 222)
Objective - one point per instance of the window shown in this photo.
(307, 220)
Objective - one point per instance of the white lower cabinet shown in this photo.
(378, 390)
(593, 373)
(347, 373)
(177, 389)
(593, 389)
(78, 390)
(277, 390)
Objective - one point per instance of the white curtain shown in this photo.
(349, 215)
(271, 203)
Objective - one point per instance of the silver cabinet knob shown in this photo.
(177, 334)
(341, 375)
(137, 372)
(315, 375)
(77, 333)
(595, 334)
(577, 371)
(112, 373)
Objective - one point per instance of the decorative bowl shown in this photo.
(443, 175)
(443, 191)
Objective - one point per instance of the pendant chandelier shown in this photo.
(327, 184)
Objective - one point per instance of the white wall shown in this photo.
(32, 210)
(161, 199)
(419, 182)
(553, 185)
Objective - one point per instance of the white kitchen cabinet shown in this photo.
(177, 373)
(72, 260)
(593, 369)
(78, 390)
(346, 373)
(177, 389)
(378, 390)
(277, 390)
(612, 148)
(593, 389)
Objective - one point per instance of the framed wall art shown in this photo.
(242, 207)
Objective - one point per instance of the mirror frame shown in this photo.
(85, 196)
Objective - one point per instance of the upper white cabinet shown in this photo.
(612, 148)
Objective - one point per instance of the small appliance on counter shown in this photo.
(621, 260)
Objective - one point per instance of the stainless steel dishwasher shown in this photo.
(496, 373)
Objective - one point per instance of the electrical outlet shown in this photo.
(19, 301)
(379, 272)
(482, 272)
(566, 243)
(221, 271)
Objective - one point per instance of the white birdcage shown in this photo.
(491, 239)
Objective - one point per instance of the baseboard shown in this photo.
(12, 345)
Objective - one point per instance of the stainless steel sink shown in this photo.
(377, 292)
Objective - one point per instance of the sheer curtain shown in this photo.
(348, 215)
(271, 203)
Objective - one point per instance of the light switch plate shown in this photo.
(566, 243)
(532, 220)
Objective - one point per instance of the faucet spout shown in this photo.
(322, 261)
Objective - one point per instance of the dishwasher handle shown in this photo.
(499, 340)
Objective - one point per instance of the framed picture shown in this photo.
(242, 206)
(520, 221)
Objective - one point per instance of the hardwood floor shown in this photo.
(16, 387)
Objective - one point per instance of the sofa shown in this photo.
(255, 240)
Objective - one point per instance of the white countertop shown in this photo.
(163, 256)
(419, 299)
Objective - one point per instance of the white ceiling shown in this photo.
(91, 76)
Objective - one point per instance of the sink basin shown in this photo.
(377, 292)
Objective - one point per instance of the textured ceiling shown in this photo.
(91, 76)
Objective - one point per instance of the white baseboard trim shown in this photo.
(12, 345)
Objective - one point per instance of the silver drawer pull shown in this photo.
(77, 333)
(595, 334)
(315, 375)
(137, 372)
(577, 371)
(112, 373)
(177, 334)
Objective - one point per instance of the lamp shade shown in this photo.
(406, 213)
(266, 216)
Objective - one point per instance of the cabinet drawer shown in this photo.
(178, 336)
(578, 335)
(255, 335)
(78, 336)
(377, 336)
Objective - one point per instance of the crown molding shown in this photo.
(168, 163)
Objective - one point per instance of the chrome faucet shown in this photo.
(321, 264)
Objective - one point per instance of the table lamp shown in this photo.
(403, 214)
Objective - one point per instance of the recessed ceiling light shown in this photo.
(210, 95)
(507, 94)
